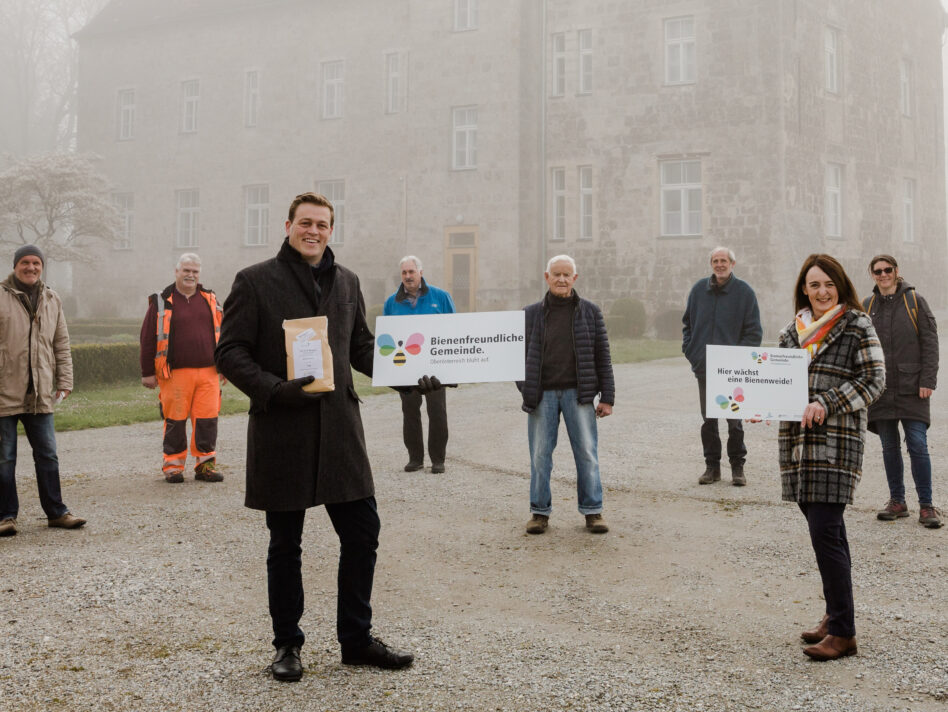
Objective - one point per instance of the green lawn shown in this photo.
(126, 403)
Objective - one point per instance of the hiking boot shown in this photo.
(437, 468)
(893, 510)
(174, 477)
(414, 466)
(712, 473)
(737, 476)
(537, 524)
(928, 515)
(67, 521)
(206, 472)
(596, 524)
(8, 527)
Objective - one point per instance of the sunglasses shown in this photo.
(882, 270)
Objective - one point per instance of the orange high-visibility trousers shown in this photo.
(194, 393)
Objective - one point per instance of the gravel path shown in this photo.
(693, 601)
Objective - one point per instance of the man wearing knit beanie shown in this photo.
(31, 386)
(26, 251)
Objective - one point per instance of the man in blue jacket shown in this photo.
(567, 365)
(415, 296)
(722, 310)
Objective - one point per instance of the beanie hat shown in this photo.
(26, 251)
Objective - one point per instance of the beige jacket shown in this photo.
(41, 346)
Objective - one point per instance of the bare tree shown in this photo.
(60, 203)
(39, 63)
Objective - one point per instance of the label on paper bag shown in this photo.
(308, 352)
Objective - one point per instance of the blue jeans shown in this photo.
(916, 440)
(542, 426)
(41, 434)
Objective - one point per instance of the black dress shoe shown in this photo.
(286, 665)
(437, 468)
(378, 654)
(414, 466)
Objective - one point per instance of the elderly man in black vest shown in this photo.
(307, 449)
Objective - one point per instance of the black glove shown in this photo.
(290, 394)
(428, 384)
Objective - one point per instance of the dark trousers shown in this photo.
(828, 536)
(357, 525)
(41, 434)
(711, 441)
(413, 433)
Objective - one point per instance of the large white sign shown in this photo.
(457, 348)
(755, 382)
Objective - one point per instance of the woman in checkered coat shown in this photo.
(821, 457)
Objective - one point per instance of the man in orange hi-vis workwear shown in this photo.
(178, 338)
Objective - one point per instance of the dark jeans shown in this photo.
(916, 441)
(41, 434)
(711, 441)
(357, 525)
(828, 536)
(413, 433)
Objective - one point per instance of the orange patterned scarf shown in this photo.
(811, 333)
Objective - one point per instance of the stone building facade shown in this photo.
(485, 136)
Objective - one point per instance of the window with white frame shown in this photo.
(126, 114)
(681, 197)
(558, 183)
(334, 88)
(905, 84)
(394, 82)
(125, 205)
(680, 50)
(558, 80)
(585, 61)
(833, 200)
(908, 209)
(256, 214)
(465, 15)
(831, 59)
(190, 98)
(335, 190)
(465, 137)
(251, 97)
(585, 203)
(189, 209)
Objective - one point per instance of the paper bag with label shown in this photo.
(308, 353)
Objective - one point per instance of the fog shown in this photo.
(482, 136)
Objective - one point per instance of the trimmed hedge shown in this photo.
(627, 318)
(96, 364)
(668, 323)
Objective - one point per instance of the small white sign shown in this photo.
(756, 382)
(480, 347)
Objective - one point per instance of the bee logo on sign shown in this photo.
(412, 345)
(732, 401)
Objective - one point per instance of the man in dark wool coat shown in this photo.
(307, 449)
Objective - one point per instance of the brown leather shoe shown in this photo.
(831, 648)
(816, 634)
(67, 521)
(537, 524)
(8, 527)
(596, 524)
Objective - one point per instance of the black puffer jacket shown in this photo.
(591, 345)
(911, 359)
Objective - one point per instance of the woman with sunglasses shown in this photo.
(821, 456)
(906, 328)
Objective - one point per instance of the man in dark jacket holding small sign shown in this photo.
(721, 310)
(567, 366)
(306, 449)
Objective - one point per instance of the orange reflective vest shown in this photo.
(163, 327)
